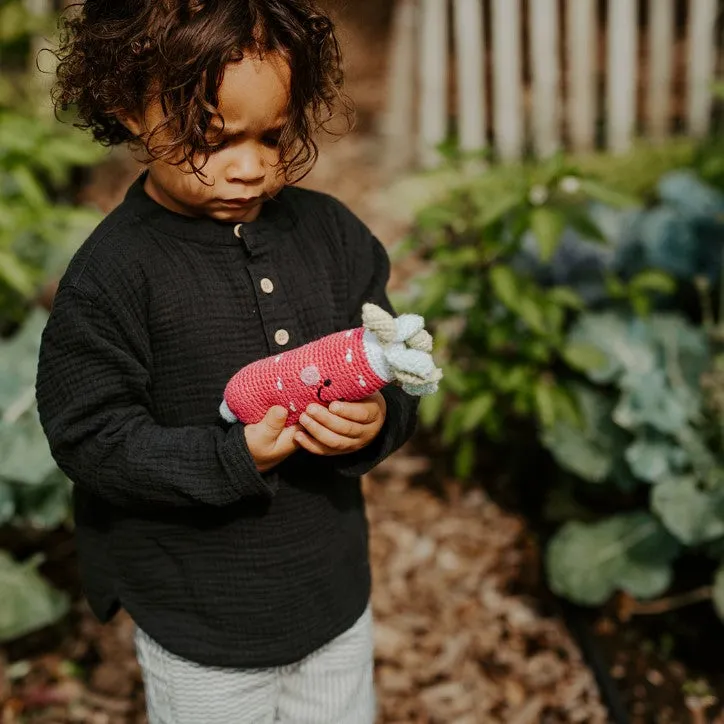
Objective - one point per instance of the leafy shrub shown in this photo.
(550, 297)
(39, 231)
(652, 418)
(500, 326)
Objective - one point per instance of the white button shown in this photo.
(281, 337)
(267, 286)
(237, 230)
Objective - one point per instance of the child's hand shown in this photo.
(343, 428)
(269, 442)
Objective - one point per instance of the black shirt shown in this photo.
(217, 562)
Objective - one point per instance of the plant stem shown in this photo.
(671, 603)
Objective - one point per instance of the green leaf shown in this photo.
(430, 409)
(434, 290)
(44, 506)
(28, 603)
(566, 297)
(545, 402)
(476, 411)
(24, 452)
(608, 332)
(555, 318)
(587, 563)
(693, 514)
(452, 425)
(498, 207)
(455, 380)
(649, 457)
(591, 450)
(30, 187)
(547, 224)
(567, 407)
(16, 274)
(653, 281)
(18, 362)
(718, 591)
(532, 314)
(580, 220)
(465, 458)
(647, 401)
(615, 287)
(584, 357)
(505, 286)
(608, 195)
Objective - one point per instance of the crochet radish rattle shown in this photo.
(346, 366)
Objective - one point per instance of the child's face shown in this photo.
(253, 101)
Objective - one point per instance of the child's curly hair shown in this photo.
(117, 55)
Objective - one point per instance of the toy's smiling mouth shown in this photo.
(326, 383)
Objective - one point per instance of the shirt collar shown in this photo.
(275, 216)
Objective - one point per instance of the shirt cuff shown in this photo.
(245, 475)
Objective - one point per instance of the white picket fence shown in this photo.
(519, 78)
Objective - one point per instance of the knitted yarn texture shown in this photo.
(345, 366)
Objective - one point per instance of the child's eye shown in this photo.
(271, 141)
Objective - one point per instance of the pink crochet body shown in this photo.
(332, 368)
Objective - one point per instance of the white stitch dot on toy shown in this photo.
(292, 407)
(362, 382)
(280, 385)
(349, 357)
(277, 358)
(349, 334)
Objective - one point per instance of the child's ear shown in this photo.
(133, 122)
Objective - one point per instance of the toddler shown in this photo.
(240, 551)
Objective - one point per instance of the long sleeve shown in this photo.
(368, 273)
(93, 392)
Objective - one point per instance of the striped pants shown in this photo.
(333, 685)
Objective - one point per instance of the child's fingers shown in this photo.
(362, 412)
(330, 439)
(286, 441)
(310, 444)
(339, 424)
(274, 421)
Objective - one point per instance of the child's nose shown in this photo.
(247, 165)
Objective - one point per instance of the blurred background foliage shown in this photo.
(578, 306)
(40, 228)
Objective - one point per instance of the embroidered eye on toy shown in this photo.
(344, 366)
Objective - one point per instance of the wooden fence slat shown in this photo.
(544, 30)
(701, 65)
(399, 124)
(661, 68)
(507, 78)
(580, 59)
(469, 53)
(433, 53)
(622, 38)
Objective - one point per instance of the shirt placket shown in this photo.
(274, 311)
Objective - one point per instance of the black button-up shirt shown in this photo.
(219, 563)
